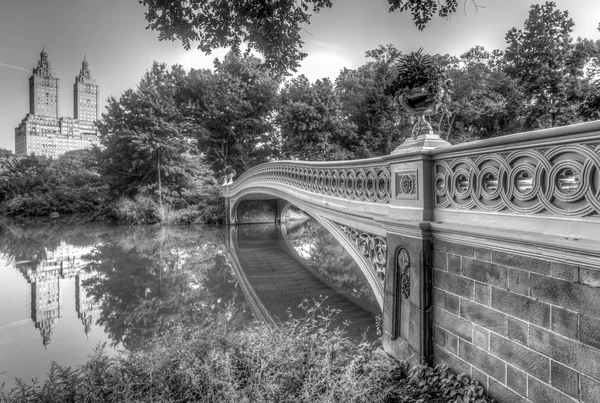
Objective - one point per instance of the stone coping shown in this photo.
(552, 136)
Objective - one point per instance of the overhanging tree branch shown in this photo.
(272, 28)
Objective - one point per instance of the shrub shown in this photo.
(141, 210)
(27, 205)
(304, 360)
(442, 383)
(211, 207)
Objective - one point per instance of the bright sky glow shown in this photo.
(119, 49)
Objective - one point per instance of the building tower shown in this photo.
(43, 131)
(44, 89)
(86, 95)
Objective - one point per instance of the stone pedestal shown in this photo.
(424, 138)
(421, 143)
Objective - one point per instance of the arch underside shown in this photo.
(364, 241)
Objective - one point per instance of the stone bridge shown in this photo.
(484, 256)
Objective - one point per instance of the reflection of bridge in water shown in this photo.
(276, 280)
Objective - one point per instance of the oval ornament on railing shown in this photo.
(562, 180)
(365, 183)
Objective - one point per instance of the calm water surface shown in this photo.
(65, 289)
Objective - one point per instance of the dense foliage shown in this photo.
(230, 110)
(312, 124)
(33, 185)
(305, 360)
(379, 123)
(548, 66)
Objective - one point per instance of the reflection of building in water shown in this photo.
(87, 307)
(69, 257)
(64, 262)
(45, 304)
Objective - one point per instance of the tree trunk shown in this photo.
(451, 125)
(159, 182)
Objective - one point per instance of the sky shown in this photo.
(113, 37)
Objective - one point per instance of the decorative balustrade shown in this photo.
(373, 247)
(370, 183)
(551, 172)
(563, 180)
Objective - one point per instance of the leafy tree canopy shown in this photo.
(145, 138)
(270, 27)
(312, 126)
(231, 109)
(361, 92)
(548, 65)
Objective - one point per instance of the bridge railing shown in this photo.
(553, 172)
(545, 176)
(361, 180)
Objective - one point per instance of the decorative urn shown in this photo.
(419, 88)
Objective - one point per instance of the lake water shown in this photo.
(65, 289)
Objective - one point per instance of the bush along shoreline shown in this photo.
(74, 184)
(303, 360)
(146, 210)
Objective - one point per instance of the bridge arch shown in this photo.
(372, 265)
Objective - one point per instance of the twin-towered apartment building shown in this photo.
(43, 131)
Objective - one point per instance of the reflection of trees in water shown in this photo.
(155, 278)
(31, 239)
(324, 253)
(147, 279)
(228, 296)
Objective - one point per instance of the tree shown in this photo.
(25, 176)
(37, 186)
(311, 123)
(548, 66)
(5, 155)
(146, 145)
(231, 110)
(590, 108)
(379, 125)
(484, 101)
(270, 27)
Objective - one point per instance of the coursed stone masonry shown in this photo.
(528, 328)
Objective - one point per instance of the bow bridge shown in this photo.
(484, 256)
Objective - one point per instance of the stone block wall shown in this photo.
(527, 328)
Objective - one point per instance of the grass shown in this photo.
(305, 360)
